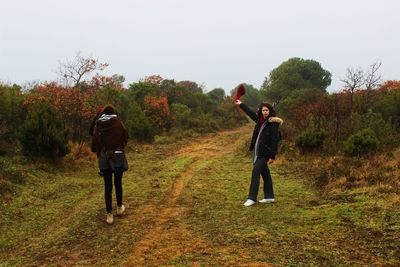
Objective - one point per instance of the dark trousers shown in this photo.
(260, 167)
(108, 187)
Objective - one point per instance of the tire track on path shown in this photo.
(167, 229)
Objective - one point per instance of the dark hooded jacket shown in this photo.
(110, 135)
(269, 136)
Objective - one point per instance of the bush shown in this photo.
(182, 113)
(11, 112)
(229, 116)
(138, 125)
(310, 140)
(203, 123)
(361, 143)
(198, 122)
(43, 132)
(381, 127)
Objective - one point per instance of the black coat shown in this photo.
(269, 136)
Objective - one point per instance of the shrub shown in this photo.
(228, 116)
(182, 114)
(310, 140)
(43, 132)
(361, 143)
(157, 109)
(386, 135)
(11, 112)
(375, 121)
(203, 123)
(138, 125)
(198, 122)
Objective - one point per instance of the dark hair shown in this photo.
(109, 110)
(272, 112)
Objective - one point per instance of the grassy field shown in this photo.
(184, 208)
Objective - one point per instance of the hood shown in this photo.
(275, 120)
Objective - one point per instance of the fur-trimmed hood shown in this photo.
(275, 120)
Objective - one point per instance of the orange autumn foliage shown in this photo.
(73, 103)
(153, 79)
(99, 81)
(390, 85)
(157, 109)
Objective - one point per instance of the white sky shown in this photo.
(218, 43)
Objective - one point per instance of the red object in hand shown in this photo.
(240, 91)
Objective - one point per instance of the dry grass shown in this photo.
(79, 153)
(339, 172)
(185, 208)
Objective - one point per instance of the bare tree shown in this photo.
(353, 80)
(372, 78)
(73, 71)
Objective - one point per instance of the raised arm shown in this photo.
(248, 111)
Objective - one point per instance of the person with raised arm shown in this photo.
(264, 144)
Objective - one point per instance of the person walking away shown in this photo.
(110, 137)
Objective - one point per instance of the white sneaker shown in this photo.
(267, 200)
(120, 210)
(249, 202)
(110, 218)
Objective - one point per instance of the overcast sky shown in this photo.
(217, 43)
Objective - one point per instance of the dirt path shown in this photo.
(169, 238)
(185, 209)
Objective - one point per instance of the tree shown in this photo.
(266, 83)
(115, 81)
(252, 97)
(193, 87)
(74, 105)
(182, 114)
(295, 73)
(217, 95)
(138, 125)
(356, 78)
(388, 103)
(139, 90)
(73, 71)
(157, 109)
(152, 79)
(390, 85)
(373, 79)
(301, 103)
(353, 80)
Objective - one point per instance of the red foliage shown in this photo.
(74, 105)
(99, 81)
(71, 102)
(158, 110)
(390, 85)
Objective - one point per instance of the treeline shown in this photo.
(44, 119)
(359, 119)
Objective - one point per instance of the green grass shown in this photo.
(302, 228)
(61, 215)
(57, 216)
